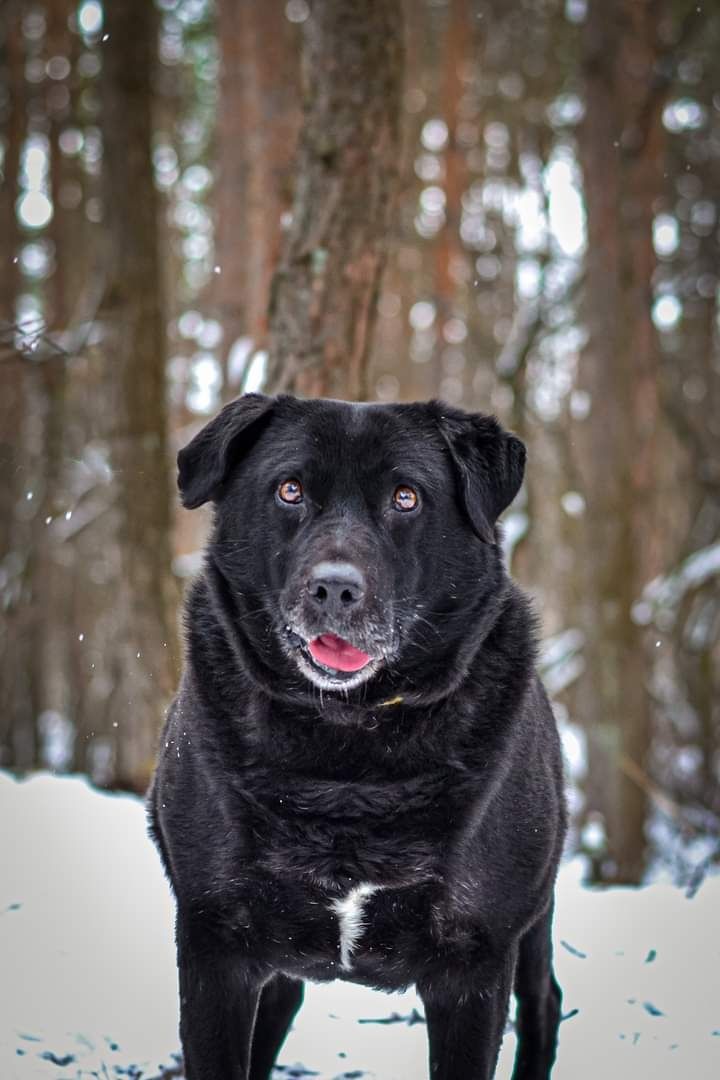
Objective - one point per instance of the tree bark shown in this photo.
(17, 720)
(13, 123)
(134, 347)
(322, 307)
(695, 365)
(258, 122)
(449, 248)
(621, 155)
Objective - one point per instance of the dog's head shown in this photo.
(352, 543)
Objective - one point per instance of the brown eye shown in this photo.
(290, 491)
(405, 498)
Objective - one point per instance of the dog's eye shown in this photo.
(405, 498)
(290, 491)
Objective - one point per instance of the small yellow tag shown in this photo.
(390, 701)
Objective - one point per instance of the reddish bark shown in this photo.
(449, 248)
(143, 666)
(621, 153)
(258, 122)
(324, 293)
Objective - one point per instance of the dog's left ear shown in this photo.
(206, 461)
(489, 463)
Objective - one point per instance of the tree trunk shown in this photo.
(695, 365)
(322, 307)
(449, 249)
(134, 347)
(17, 726)
(258, 122)
(621, 155)
(12, 123)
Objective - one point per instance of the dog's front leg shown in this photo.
(219, 995)
(465, 1023)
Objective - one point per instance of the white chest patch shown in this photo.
(349, 910)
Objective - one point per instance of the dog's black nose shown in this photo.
(336, 586)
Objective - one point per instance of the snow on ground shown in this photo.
(88, 981)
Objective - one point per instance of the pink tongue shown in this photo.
(335, 652)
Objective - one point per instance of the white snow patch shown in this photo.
(87, 965)
(87, 955)
(667, 592)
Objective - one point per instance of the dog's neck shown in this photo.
(500, 631)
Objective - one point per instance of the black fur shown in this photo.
(436, 774)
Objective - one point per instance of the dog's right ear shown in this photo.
(489, 463)
(206, 461)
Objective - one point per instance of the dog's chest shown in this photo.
(339, 834)
(335, 898)
(369, 933)
(352, 870)
(351, 914)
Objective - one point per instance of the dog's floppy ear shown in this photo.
(205, 462)
(489, 463)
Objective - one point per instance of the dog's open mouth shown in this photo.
(335, 654)
(331, 661)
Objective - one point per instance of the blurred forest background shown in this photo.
(201, 198)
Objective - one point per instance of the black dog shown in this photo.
(360, 777)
